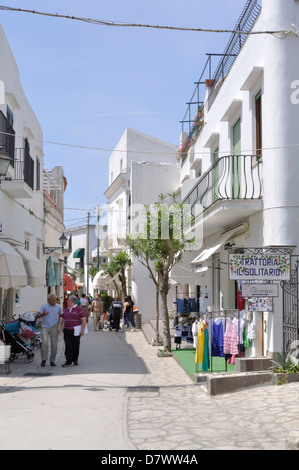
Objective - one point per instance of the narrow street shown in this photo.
(122, 397)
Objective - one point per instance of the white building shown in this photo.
(22, 278)
(140, 168)
(54, 186)
(88, 248)
(244, 164)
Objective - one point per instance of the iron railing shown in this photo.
(231, 177)
(23, 168)
(217, 76)
(7, 138)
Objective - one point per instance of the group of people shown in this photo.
(72, 321)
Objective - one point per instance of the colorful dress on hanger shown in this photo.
(230, 344)
(217, 341)
(206, 355)
(200, 346)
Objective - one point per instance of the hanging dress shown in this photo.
(230, 344)
(200, 346)
(206, 355)
(217, 341)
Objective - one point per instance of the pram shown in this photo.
(112, 322)
(10, 336)
(28, 322)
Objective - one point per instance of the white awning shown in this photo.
(99, 280)
(115, 278)
(33, 267)
(214, 247)
(182, 273)
(12, 270)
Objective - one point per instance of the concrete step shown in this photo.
(218, 384)
(148, 332)
(253, 364)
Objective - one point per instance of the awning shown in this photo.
(99, 280)
(68, 283)
(33, 267)
(115, 278)
(214, 247)
(79, 253)
(12, 269)
(182, 272)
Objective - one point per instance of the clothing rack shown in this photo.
(225, 314)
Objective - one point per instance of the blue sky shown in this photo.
(88, 83)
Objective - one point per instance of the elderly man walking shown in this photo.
(49, 314)
(73, 316)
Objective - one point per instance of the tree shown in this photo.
(162, 245)
(117, 266)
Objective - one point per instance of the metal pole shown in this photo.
(87, 253)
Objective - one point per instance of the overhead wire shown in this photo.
(224, 152)
(148, 26)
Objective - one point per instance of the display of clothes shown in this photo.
(187, 305)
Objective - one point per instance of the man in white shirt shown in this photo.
(49, 313)
(85, 306)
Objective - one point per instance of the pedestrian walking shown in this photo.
(49, 314)
(73, 316)
(116, 309)
(85, 306)
(127, 313)
(97, 311)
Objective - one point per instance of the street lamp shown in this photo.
(49, 249)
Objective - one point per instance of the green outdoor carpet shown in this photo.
(187, 359)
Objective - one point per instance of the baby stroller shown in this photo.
(10, 335)
(28, 322)
(112, 322)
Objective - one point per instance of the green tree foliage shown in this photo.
(160, 247)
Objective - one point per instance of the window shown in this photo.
(26, 244)
(258, 124)
(9, 115)
(37, 173)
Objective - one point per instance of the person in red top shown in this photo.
(72, 316)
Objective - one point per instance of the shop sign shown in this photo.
(260, 304)
(259, 266)
(259, 290)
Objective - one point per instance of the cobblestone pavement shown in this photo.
(169, 412)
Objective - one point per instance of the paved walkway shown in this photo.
(123, 397)
(182, 416)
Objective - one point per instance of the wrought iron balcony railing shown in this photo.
(216, 75)
(7, 138)
(231, 177)
(23, 166)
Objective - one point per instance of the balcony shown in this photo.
(213, 77)
(19, 183)
(229, 192)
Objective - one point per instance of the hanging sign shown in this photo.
(259, 266)
(259, 290)
(260, 304)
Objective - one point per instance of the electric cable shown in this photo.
(148, 26)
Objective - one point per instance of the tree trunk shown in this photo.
(157, 317)
(165, 318)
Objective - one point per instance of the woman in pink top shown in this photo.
(72, 316)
